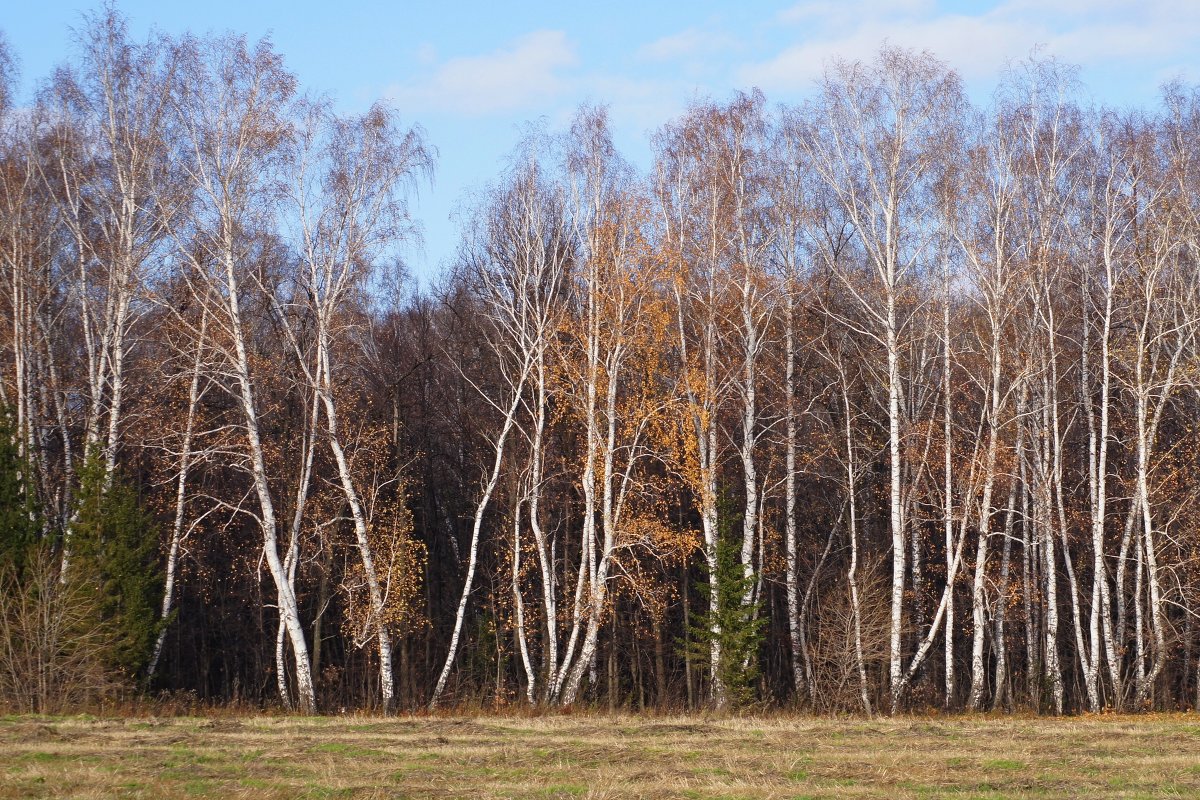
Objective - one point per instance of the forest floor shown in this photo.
(594, 756)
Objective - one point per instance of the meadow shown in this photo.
(595, 756)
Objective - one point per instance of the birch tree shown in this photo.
(233, 112)
(515, 264)
(117, 182)
(348, 185)
(879, 141)
(621, 322)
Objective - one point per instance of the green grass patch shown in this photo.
(349, 750)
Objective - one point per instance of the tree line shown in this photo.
(878, 401)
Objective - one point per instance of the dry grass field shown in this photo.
(589, 756)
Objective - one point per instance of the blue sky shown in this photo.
(474, 73)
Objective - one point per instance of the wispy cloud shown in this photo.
(689, 43)
(539, 74)
(523, 75)
(975, 45)
(1085, 32)
(828, 12)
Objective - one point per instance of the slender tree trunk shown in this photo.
(288, 607)
(519, 606)
(185, 459)
(476, 528)
(896, 512)
(948, 492)
(792, 574)
(1002, 694)
(978, 611)
(851, 574)
(383, 638)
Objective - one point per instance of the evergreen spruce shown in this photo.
(741, 625)
(114, 557)
(19, 517)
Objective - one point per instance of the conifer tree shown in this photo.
(19, 517)
(737, 624)
(114, 558)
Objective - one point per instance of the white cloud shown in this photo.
(685, 44)
(525, 74)
(827, 12)
(1085, 32)
(974, 45)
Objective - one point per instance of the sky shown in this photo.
(474, 75)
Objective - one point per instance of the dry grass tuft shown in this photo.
(599, 757)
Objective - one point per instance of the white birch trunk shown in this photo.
(185, 462)
(476, 528)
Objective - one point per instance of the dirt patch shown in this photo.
(223, 725)
(454, 727)
(34, 732)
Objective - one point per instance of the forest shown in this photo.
(882, 401)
